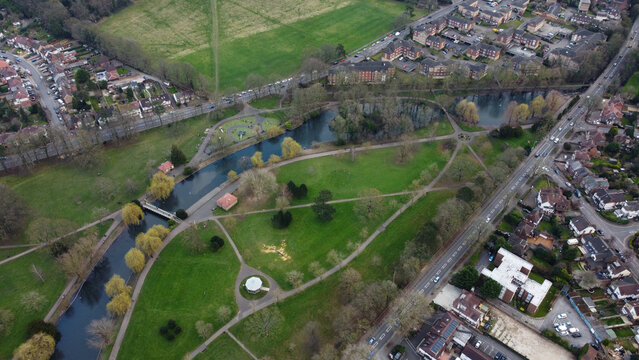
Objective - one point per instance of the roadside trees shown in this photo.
(465, 278)
(489, 288)
(409, 311)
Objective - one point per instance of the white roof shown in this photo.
(253, 283)
(508, 274)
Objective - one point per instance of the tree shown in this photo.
(181, 214)
(537, 106)
(232, 175)
(554, 100)
(265, 321)
(177, 156)
(290, 148)
(465, 194)
(32, 301)
(216, 243)
(116, 285)
(148, 243)
(105, 188)
(613, 148)
(587, 279)
(204, 329)
(161, 185)
(119, 304)
(256, 159)
(567, 146)
(6, 322)
(131, 186)
(350, 282)
(281, 220)
(311, 334)
(523, 113)
(295, 278)
(81, 76)
(14, 215)
(135, 260)
(357, 351)
(327, 352)
(408, 312)
(223, 313)
(39, 347)
(274, 159)
(465, 278)
(77, 261)
(371, 205)
(41, 326)
(101, 333)
(323, 210)
(44, 230)
(258, 184)
(489, 288)
(132, 214)
(407, 148)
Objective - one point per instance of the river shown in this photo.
(491, 107)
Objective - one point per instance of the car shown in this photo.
(562, 316)
(491, 258)
(478, 344)
(572, 123)
(498, 356)
(436, 279)
(600, 232)
(212, 107)
(371, 340)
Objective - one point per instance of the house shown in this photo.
(534, 217)
(438, 336)
(485, 50)
(162, 99)
(590, 304)
(7, 73)
(629, 211)
(590, 184)
(591, 354)
(506, 36)
(617, 270)
(166, 166)
(459, 23)
(472, 353)
(525, 230)
(552, 199)
(435, 42)
(20, 97)
(572, 166)
(131, 109)
(399, 48)
(468, 11)
(597, 252)
(14, 84)
(580, 226)
(553, 11)
(466, 306)
(626, 288)
(612, 111)
(597, 136)
(519, 6)
(512, 274)
(631, 309)
(492, 17)
(584, 5)
(581, 155)
(146, 105)
(520, 246)
(529, 41)
(435, 68)
(422, 32)
(535, 24)
(227, 201)
(476, 71)
(608, 199)
(363, 72)
(581, 19)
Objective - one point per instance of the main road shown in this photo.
(443, 266)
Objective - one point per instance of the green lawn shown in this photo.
(624, 332)
(254, 37)
(372, 169)
(270, 122)
(489, 148)
(546, 303)
(440, 127)
(613, 321)
(65, 191)
(269, 102)
(323, 298)
(17, 280)
(632, 86)
(185, 287)
(224, 348)
(306, 240)
(468, 127)
(511, 24)
(541, 183)
(463, 168)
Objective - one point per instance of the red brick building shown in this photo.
(485, 50)
(459, 23)
(399, 48)
(364, 72)
(436, 42)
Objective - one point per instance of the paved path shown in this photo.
(242, 345)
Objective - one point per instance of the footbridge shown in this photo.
(156, 210)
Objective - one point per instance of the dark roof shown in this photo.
(580, 223)
(364, 66)
(474, 354)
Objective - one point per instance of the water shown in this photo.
(91, 301)
(491, 107)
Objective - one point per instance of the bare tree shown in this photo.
(78, 259)
(409, 311)
(265, 321)
(101, 333)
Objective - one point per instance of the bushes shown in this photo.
(181, 214)
(216, 243)
(188, 171)
(298, 192)
(508, 132)
(170, 330)
(281, 220)
(41, 326)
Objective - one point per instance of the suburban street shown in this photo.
(443, 267)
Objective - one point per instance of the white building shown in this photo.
(580, 226)
(628, 211)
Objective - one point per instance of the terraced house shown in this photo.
(400, 48)
(459, 23)
(484, 50)
(364, 72)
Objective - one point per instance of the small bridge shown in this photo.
(156, 210)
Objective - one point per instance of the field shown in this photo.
(67, 191)
(464, 168)
(436, 128)
(323, 297)
(224, 348)
(489, 148)
(185, 287)
(17, 280)
(264, 38)
(632, 86)
(269, 102)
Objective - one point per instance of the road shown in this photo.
(442, 268)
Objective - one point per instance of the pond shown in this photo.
(491, 107)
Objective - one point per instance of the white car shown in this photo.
(562, 316)
(436, 279)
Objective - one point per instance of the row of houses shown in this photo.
(571, 56)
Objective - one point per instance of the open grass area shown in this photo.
(546, 303)
(436, 128)
(268, 102)
(224, 348)
(185, 287)
(489, 148)
(463, 168)
(624, 332)
(66, 191)
(270, 122)
(254, 37)
(306, 240)
(613, 321)
(632, 86)
(511, 24)
(541, 183)
(375, 263)
(468, 127)
(371, 169)
(16, 280)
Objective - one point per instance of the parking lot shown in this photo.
(563, 306)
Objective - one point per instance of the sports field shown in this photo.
(254, 36)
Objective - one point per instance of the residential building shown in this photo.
(227, 201)
(590, 304)
(494, 18)
(476, 71)
(363, 72)
(534, 217)
(471, 353)
(608, 199)
(552, 199)
(519, 6)
(458, 23)
(581, 19)
(520, 246)
(629, 211)
(506, 36)
(617, 270)
(438, 336)
(535, 24)
(596, 250)
(528, 40)
(590, 184)
(166, 166)
(572, 57)
(162, 99)
(484, 50)
(584, 5)
(435, 68)
(400, 48)
(553, 11)
(580, 226)
(131, 109)
(612, 111)
(631, 309)
(626, 288)
(422, 32)
(466, 306)
(512, 274)
(468, 11)
(597, 136)
(435, 42)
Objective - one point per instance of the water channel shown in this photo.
(90, 302)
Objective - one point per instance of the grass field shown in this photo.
(463, 168)
(632, 86)
(269, 102)
(17, 280)
(185, 287)
(68, 192)
(306, 240)
(489, 148)
(254, 36)
(436, 128)
(372, 169)
(224, 348)
(323, 297)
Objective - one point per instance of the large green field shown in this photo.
(224, 348)
(185, 287)
(265, 38)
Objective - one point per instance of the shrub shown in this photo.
(171, 223)
(216, 243)
(164, 330)
(177, 330)
(171, 324)
(171, 330)
(137, 202)
(170, 336)
(38, 326)
(281, 220)
(298, 192)
(188, 171)
(58, 249)
(181, 214)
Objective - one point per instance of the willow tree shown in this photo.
(132, 214)
(161, 185)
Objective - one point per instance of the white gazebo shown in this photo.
(253, 284)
